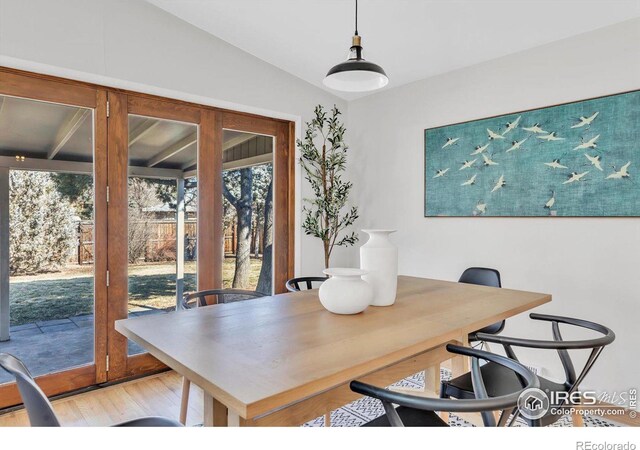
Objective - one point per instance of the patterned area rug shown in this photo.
(366, 409)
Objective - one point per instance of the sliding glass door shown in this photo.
(153, 215)
(162, 215)
(52, 233)
(247, 191)
(113, 204)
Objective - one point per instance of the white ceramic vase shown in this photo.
(379, 257)
(345, 292)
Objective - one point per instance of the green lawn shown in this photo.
(70, 292)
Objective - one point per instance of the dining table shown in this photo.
(283, 360)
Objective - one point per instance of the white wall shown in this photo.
(135, 45)
(589, 265)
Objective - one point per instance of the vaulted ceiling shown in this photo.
(411, 39)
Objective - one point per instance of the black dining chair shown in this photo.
(499, 381)
(192, 300)
(417, 411)
(200, 298)
(40, 410)
(293, 285)
(481, 276)
(484, 276)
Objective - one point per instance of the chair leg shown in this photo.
(444, 415)
(576, 417)
(184, 402)
(327, 419)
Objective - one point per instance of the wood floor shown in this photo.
(157, 395)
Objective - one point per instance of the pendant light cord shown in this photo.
(356, 17)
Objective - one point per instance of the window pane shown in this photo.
(51, 224)
(162, 215)
(248, 211)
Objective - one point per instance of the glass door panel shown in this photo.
(47, 170)
(247, 177)
(162, 212)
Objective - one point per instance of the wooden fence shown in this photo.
(161, 241)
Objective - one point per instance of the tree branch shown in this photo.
(228, 195)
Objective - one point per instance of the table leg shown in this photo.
(460, 364)
(215, 413)
(234, 420)
(432, 379)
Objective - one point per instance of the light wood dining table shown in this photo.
(283, 360)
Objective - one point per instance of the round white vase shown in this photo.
(345, 292)
(379, 257)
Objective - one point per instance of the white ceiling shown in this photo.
(411, 39)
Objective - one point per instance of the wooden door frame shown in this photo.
(212, 121)
(49, 89)
(122, 105)
(284, 187)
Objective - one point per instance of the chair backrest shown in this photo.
(194, 299)
(293, 285)
(484, 276)
(37, 404)
(561, 346)
(482, 403)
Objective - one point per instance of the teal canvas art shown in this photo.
(572, 160)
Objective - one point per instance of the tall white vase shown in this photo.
(379, 257)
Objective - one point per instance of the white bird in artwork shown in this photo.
(585, 120)
(441, 172)
(470, 181)
(555, 164)
(500, 184)
(512, 125)
(480, 149)
(575, 176)
(595, 160)
(494, 135)
(467, 164)
(535, 128)
(515, 145)
(481, 207)
(622, 173)
(450, 141)
(551, 137)
(488, 161)
(591, 143)
(551, 201)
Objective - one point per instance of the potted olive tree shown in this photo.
(324, 159)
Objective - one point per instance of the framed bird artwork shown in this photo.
(576, 159)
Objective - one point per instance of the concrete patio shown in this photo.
(56, 345)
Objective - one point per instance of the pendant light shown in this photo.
(356, 74)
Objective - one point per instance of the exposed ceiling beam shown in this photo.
(46, 165)
(248, 162)
(235, 165)
(226, 146)
(173, 149)
(141, 130)
(237, 141)
(67, 130)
